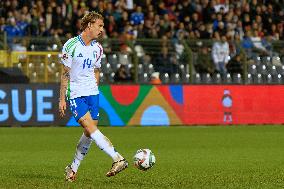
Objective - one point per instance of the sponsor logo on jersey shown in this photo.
(80, 55)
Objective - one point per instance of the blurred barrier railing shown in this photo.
(3, 41)
(38, 66)
(4, 58)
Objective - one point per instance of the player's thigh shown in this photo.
(93, 103)
(78, 107)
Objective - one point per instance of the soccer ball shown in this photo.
(144, 159)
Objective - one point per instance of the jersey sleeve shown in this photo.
(99, 56)
(66, 58)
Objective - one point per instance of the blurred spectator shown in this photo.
(108, 10)
(149, 19)
(57, 19)
(179, 47)
(174, 65)
(67, 9)
(22, 24)
(239, 29)
(203, 33)
(166, 62)
(235, 65)
(161, 10)
(235, 45)
(121, 75)
(12, 30)
(137, 17)
(2, 24)
(190, 13)
(122, 22)
(35, 19)
(129, 5)
(216, 22)
(222, 7)
(111, 26)
(20, 46)
(247, 44)
(106, 43)
(274, 32)
(161, 61)
(267, 44)
(43, 31)
(204, 63)
(48, 17)
(280, 28)
(124, 57)
(220, 55)
(120, 4)
(221, 28)
(257, 44)
(172, 12)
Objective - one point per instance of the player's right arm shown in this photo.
(65, 77)
(66, 60)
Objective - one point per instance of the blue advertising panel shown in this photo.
(35, 104)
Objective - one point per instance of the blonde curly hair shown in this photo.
(90, 17)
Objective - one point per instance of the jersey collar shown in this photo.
(83, 43)
(81, 40)
(93, 42)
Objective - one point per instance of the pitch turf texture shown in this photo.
(187, 157)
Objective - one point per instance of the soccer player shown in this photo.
(81, 59)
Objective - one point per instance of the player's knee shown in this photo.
(90, 129)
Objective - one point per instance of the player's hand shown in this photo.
(62, 107)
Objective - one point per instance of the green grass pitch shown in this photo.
(187, 157)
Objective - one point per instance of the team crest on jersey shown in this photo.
(80, 55)
(64, 56)
(95, 54)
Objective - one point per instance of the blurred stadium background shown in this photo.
(171, 37)
(165, 63)
(189, 62)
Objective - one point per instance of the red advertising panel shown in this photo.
(234, 104)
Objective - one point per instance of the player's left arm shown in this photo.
(97, 75)
(98, 63)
